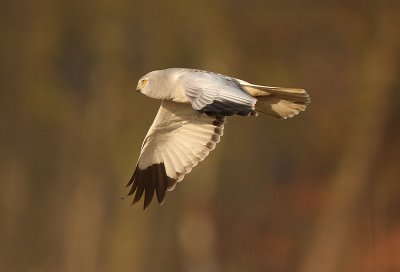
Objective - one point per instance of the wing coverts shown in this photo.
(217, 95)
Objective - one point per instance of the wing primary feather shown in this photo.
(150, 185)
(217, 108)
(133, 182)
(133, 177)
(138, 195)
(228, 108)
(162, 181)
(150, 181)
(133, 188)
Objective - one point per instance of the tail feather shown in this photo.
(278, 107)
(276, 101)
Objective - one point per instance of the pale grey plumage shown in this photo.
(191, 120)
(215, 95)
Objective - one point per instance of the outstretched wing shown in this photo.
(178, 140)
(217, 95)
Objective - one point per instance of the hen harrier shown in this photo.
(191, 120)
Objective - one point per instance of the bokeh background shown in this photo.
(319, 192)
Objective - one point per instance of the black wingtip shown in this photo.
(138, 194)
(132, 178)
(149, 181)
(148, 196)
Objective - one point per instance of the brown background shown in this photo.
(319, 192)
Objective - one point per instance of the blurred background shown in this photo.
(319, 192)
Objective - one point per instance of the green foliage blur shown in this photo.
(319, 192)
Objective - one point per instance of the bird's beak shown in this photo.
(139, 87)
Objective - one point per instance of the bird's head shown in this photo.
(151, 85)
(142, 84)
(155, 84)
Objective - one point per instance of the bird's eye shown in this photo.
(144, 82)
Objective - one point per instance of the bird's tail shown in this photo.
(276, 101)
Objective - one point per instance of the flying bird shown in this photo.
(190, 122)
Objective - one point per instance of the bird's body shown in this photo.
(191, 119)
